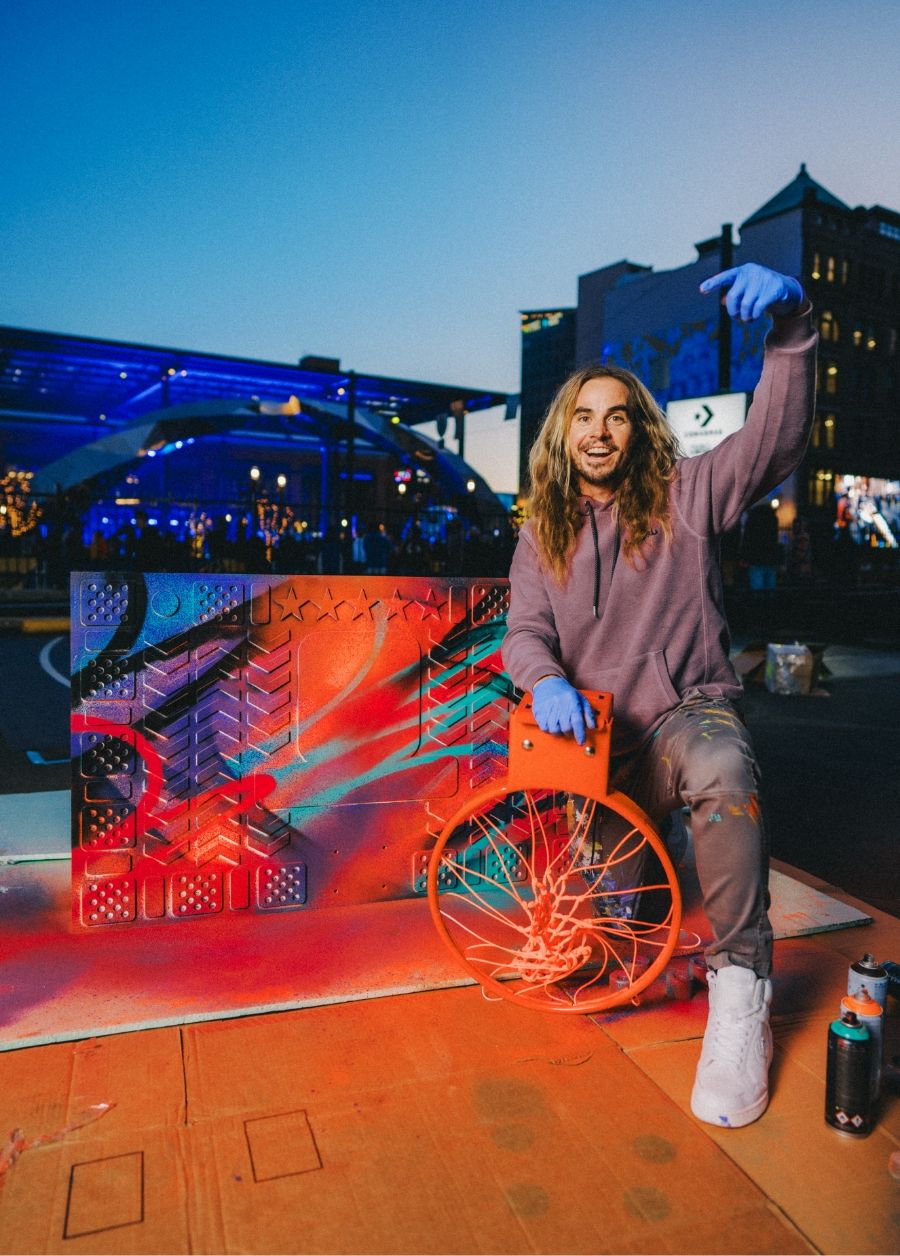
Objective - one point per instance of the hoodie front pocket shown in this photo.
(642, 692)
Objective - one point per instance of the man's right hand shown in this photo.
(559, 708)
(752, 290)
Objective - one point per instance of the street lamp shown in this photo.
(254, 474)
(281, 481)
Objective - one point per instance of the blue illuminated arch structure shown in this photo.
(99, 404)
(162, 431)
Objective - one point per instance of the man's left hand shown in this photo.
(753, 290)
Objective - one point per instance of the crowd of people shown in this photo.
(757, 556)
(44, 557)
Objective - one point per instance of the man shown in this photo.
(615, 585)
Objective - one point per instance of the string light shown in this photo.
(19, 512)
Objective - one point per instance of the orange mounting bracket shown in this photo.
(536, 757)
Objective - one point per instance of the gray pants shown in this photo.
(701, 757)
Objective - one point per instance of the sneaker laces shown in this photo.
(730, 1038)
(731, 1031)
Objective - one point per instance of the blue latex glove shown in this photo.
(560, 708)
(754, 290)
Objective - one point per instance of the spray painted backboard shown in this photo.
(245, 745)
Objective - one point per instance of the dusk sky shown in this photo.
(390, 182)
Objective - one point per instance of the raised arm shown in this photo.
(720, 484)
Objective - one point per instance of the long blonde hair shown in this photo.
(642, 498)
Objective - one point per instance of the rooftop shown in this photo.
(792, 197)
(50, 374)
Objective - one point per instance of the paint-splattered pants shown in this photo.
(701, 757)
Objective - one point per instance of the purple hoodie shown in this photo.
(659, 633)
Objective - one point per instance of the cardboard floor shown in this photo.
(441, 1122)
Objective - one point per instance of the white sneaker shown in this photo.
(732, 1084)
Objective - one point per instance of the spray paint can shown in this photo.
(848, 1105)
(868, 973)
(870, 1014)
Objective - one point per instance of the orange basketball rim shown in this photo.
(551, 890)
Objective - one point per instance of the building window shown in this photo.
(857, 335)
(816, 272)
(823, 432)
(845, 271)
(829, 270)
(828, 327)
(871, 339)
(818, 488)
(830, 380)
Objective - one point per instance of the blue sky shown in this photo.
(391, 182)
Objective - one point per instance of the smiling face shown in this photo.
(599, 434)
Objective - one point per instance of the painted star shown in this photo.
(291, 607)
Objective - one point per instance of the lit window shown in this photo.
(828, 326)
(819, 487)
(816, 433)
(830, 429)
(871, 341)
(857, 335)
(831, 378)
(845, 270)
(816, 272)
(829, 270)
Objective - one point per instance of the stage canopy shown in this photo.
(46, 373)
(79, 408)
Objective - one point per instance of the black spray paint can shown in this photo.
(870, 1014)
(869, 975)
(848, 1098)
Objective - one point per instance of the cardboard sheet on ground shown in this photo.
(440, 1123)
(435, 1123)
(836, 1189)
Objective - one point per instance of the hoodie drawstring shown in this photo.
(615, 559)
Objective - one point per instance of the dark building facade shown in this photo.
(848, 259)
(548, 356)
